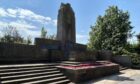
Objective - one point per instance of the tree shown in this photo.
(111, 31)
(51, 37)
(43, 32)
(138, 45)
(29, 40)
(138, 37)
(11, 35)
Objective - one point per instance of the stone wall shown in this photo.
(122, 60)
(83, 56)
(79, 47)
(16, 53)
(104, 55)
(57, 55)
(44, 41)
(90, 55)
(21, 53)
(27, 53)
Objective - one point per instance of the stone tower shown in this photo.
(66, 24)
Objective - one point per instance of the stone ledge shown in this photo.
(86, 74)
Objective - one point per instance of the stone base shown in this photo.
(82, 74)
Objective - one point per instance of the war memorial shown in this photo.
(59, 61)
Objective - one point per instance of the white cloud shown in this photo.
(32, 33)
(24, 14)
(81, 36)
(20, 24)
(24, 28)
(3, 13)
(1, 34)
(3, 24)
(55, 22)
(23, 20)
(11, 12)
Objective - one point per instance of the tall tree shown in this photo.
(138, 37)
(111, 31)
(29, 40)
(43, 32)
(138, 46)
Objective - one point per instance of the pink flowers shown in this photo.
(86, 65)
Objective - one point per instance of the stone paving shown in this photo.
(129, 76)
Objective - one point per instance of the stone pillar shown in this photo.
(66, 24)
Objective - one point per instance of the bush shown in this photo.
(135, 58)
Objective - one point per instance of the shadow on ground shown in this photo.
(115, 77)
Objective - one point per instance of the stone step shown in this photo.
(71, 62)
(26, 65)
(47, 80)
(61, 82)
(26, 72)
(25, 68)
(30, 79)
(28, 75)
(32, 73)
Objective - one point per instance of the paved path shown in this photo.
(129, 76)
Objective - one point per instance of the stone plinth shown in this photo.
(86, 73)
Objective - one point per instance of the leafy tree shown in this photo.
(138, 37)
(138, 45)
(11, 35)
(43, 32)
(111, 31)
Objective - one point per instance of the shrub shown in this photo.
(135, 58)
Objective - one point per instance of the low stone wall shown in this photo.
(79, 47)
(122, 60)
(40, 41)
(83, 56)
(48, 43)
(90, 55)
(57, 55)
(104, 55)
(21, 53)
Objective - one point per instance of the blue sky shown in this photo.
(30, 15)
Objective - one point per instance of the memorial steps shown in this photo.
(32, 74)
(70, 63)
